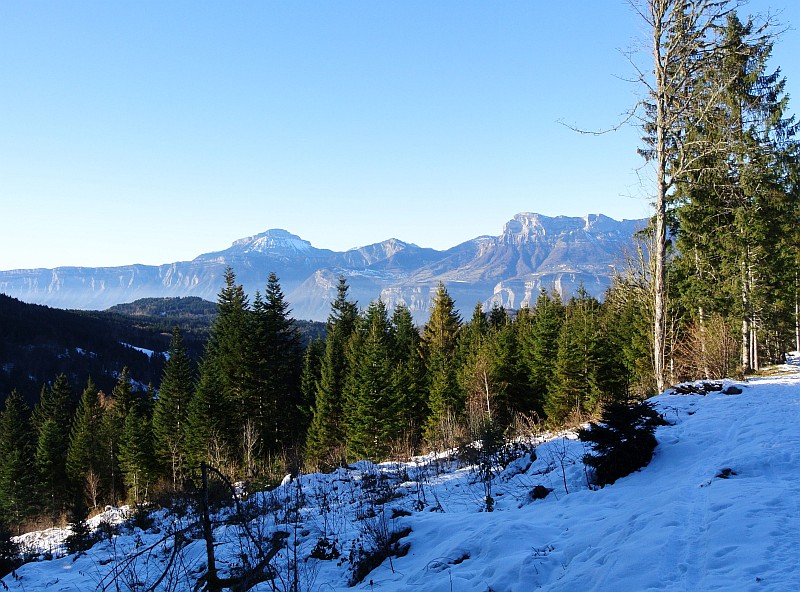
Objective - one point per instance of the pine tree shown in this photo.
(312, 363)
(171, 410)
(371, 412)
(218, 410)
(325, 434)
(439, 342)
(408, 378)
(17, 477)
(586, 370)
(538, 336)
(86, 446)
(277, 363)
(52, 420)
(115, 410)
(135, 454)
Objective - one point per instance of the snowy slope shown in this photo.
(718, 508)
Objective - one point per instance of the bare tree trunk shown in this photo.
(660, 251)
(745, 323)
(796, 316)
(680, 30)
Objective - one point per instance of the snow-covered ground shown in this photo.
(718, 508)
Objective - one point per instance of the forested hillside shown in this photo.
(711, 292)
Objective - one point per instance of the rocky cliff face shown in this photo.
(532, 252)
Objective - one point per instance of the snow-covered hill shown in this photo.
(718, 508)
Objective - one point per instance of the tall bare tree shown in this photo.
(683, 45)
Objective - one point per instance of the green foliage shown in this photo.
(171, 411)
(586, 369)
(86, 446)
(326, 433)
(735, 211)
(51, 420)
(623, 441)
(538, 338)
(408, 378)
(218, 409)
(17, 476)
(9, 552)
(276, 358)
(371, 414)
(312, 363)
(136, 451)
(439, 342)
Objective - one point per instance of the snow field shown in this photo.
(718, 508)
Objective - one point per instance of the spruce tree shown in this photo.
(372, 416)
(171, 410)
(538, 336)
(115, 410)
(86, 446)
(218, 410)
(135, 454)
(312, 362)
(586, 369)
(733, 217)
(277, 363)
(17, 476)
(52, 419)
(207, 419)
(439, 343)
(408, 378)
(325, 437)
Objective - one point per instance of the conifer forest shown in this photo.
(711, 292)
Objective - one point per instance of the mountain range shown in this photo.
(533, 251)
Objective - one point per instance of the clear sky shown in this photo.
(152, 132)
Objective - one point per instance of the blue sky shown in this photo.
(152, 132)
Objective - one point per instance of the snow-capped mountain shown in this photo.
(533, 251)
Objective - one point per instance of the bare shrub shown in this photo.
(708, 350)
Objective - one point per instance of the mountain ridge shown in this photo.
(532, 251)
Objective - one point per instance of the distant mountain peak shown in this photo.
(533, 251)
(275, 239)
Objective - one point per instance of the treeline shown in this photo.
(259, 404)
(38, 343)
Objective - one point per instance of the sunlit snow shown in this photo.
(718, 508)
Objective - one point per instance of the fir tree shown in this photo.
(86, 446)
(17, 477)
(325, 434)
(439, 342)
(277, 362)
(538, 335)
(408, 378)
(171, 409)
(371, 413)
(135, 454)
(52, 420)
